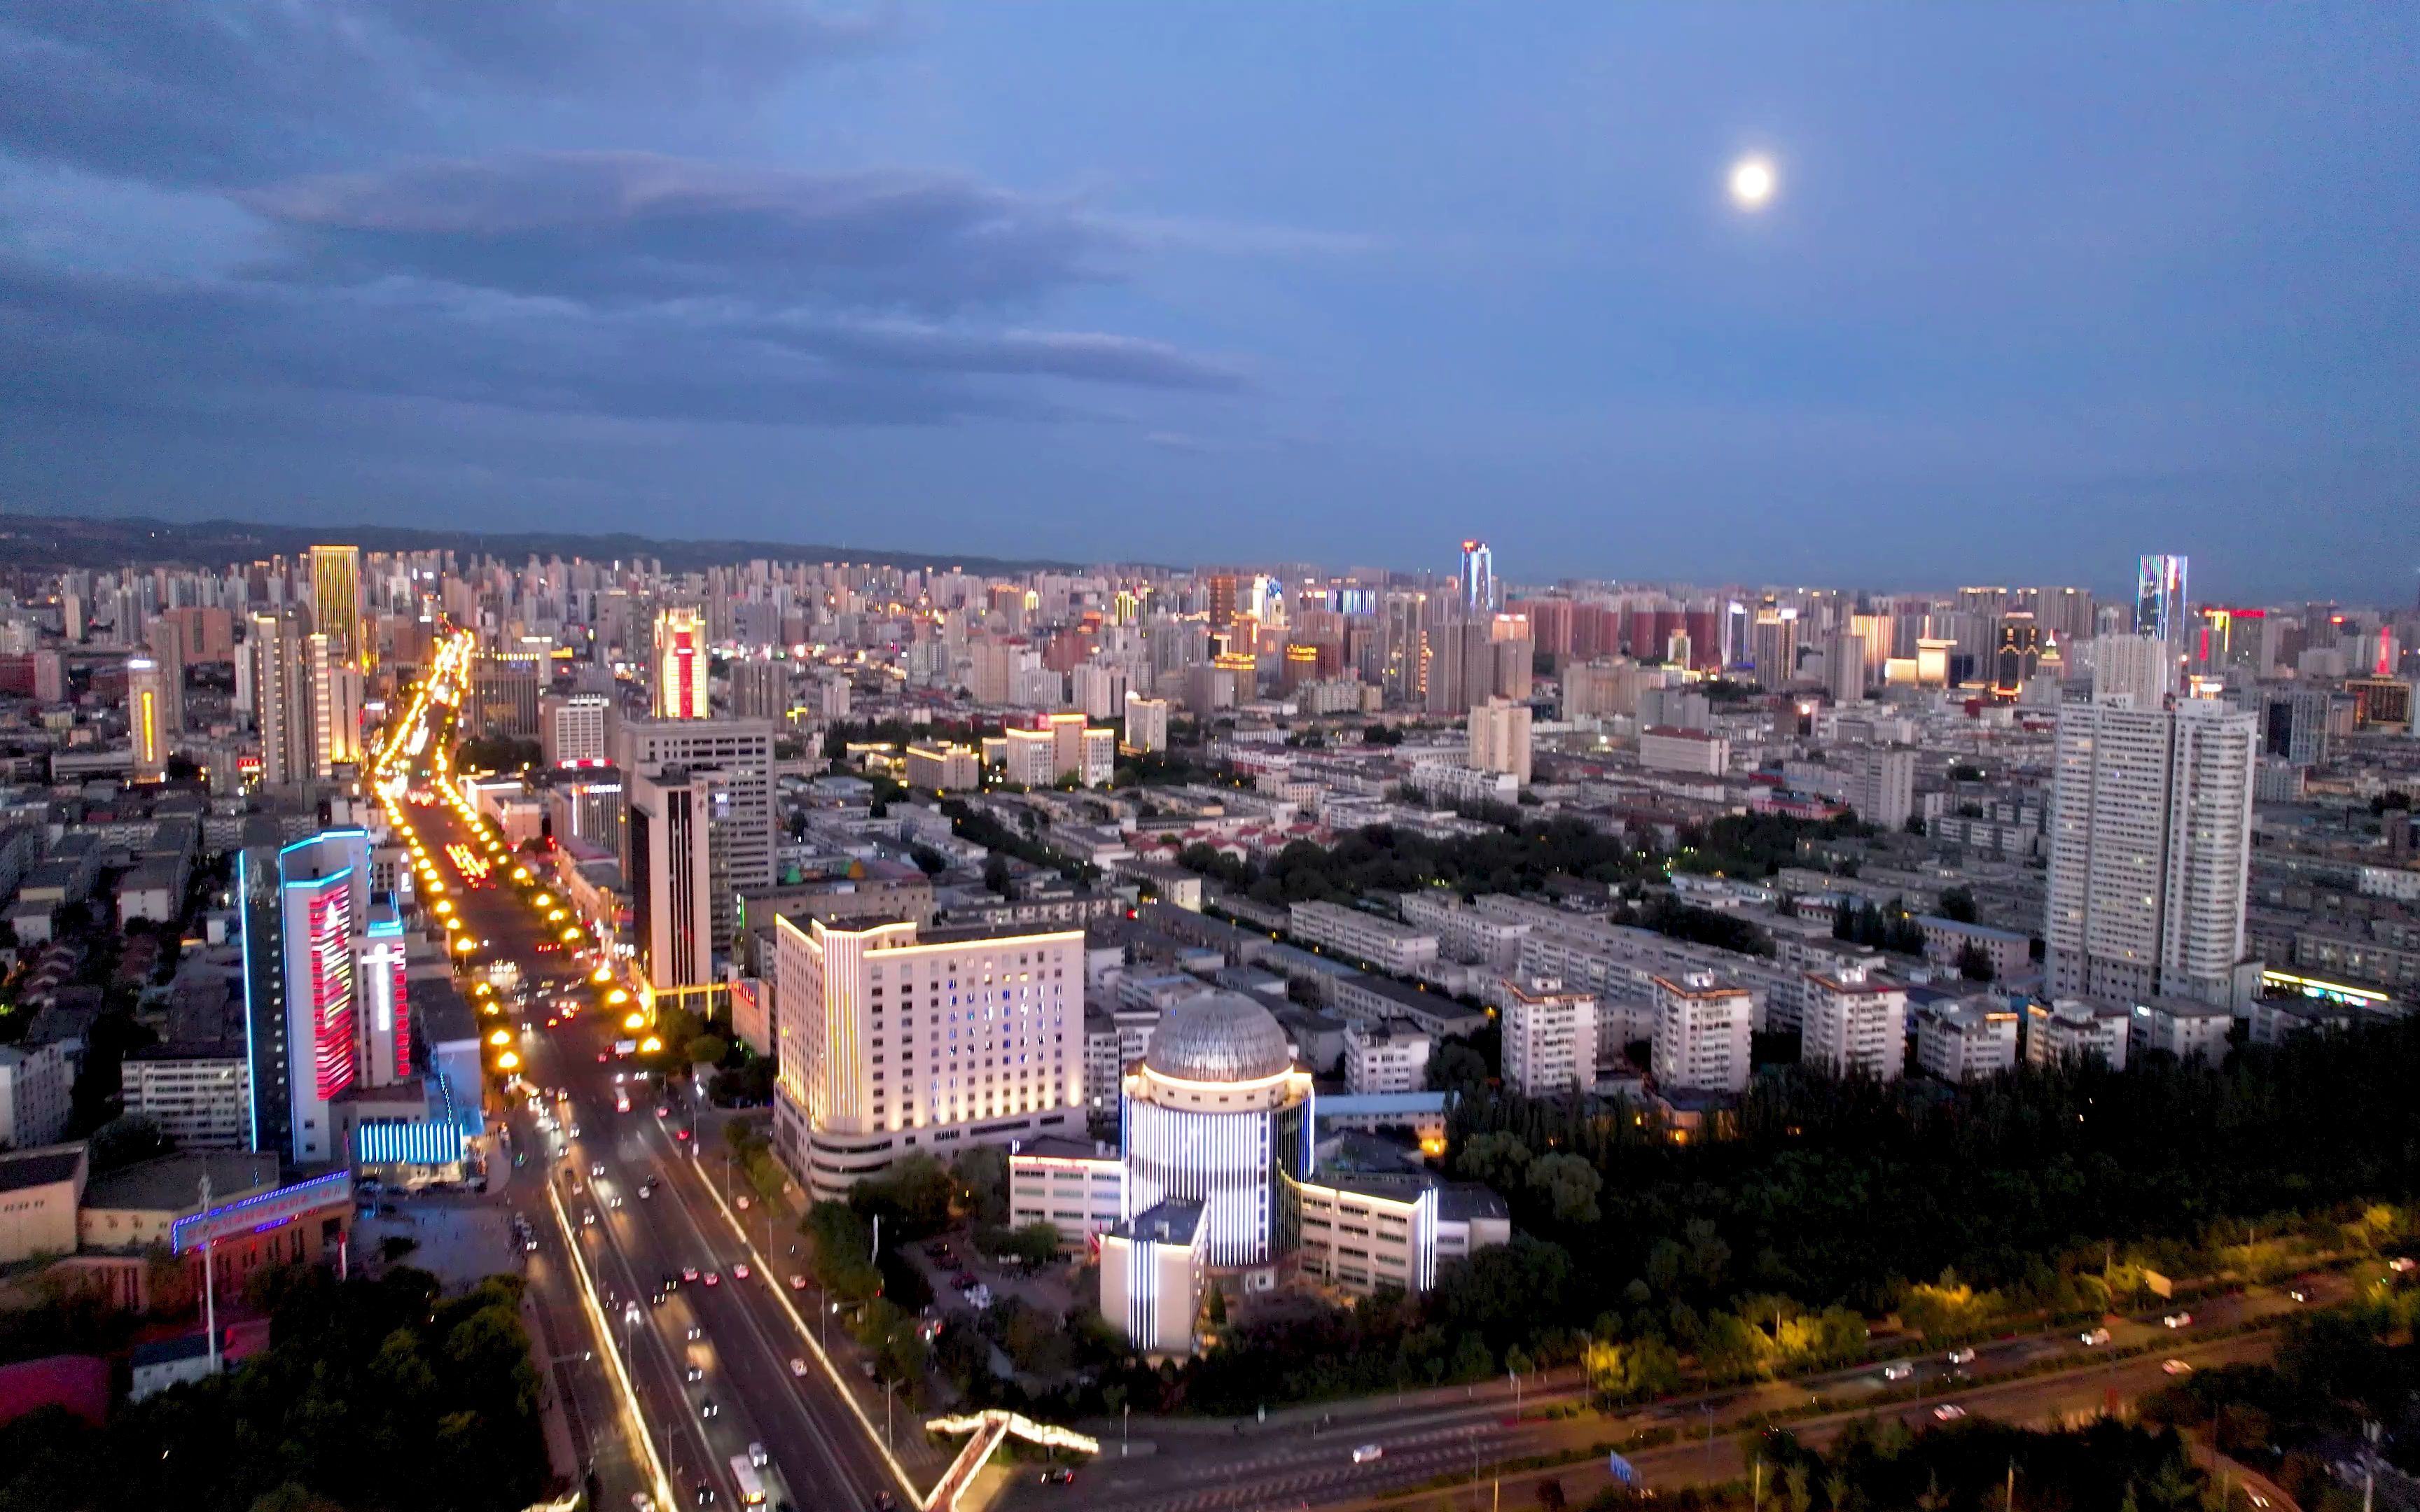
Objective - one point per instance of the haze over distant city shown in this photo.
(2026, 293)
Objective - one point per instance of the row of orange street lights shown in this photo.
(445, 683)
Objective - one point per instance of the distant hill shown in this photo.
(40, 541)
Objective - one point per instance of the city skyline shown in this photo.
(1055, 287)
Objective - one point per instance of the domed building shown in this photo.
(1216, 1115)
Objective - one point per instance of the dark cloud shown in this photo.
(618, 225)
(129, 345)
(232, 91)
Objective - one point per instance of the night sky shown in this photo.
(2042, 287)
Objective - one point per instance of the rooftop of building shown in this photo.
(172, 1183)
(1219, 1037)
(1164, 1223)
(43, 1167)
(1058, 1146)
(1977, 932)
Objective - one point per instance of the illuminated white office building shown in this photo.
(894, 1041)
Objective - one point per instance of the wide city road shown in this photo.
(756, 1384)
(1304, 1458)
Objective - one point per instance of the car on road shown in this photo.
(1058, 1475)
(714, 1279)
(2177, 1320)
(663, 1110)
(689, 1272)
(587, 1216)
(708, 1409)
(671, 1281)
(1948, 1413)
(693, 1373)
(885, 1502)
(2175, 1367)
(1897, 1370)
(798, 1282)
(2092, 1338)
(705, 1494)
(613, 1201)
(1962, 1356)
(757, 1457)
(2299, 1294)
(696, 1331)
(1369, 1452)
(798, 1366)
(963, 1280)
(739, 1272)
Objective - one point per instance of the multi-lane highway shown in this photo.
(718, 1363)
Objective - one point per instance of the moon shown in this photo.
(1752, 183)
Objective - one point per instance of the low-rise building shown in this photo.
(40, 1191)
(1947, 939)
(1391, 947)
(2072, 1029)
(1385, 1056)
(944, 767)
(1371, 998)
(1966, 1042)
(36, 1081)
(2184, 1028)
(1151, 1271)
(199, 1093)
(1077, 1187)
(1669, 748)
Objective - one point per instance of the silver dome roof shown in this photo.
(1219, 1037)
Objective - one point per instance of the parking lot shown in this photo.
(1045, 1288)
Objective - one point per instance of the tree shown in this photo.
(912, 1194)
(708, 1049)
(1570, 1183)
(1915, 823)
(1494, 1158)
(1974, 963)
(1957, 905)
(1216, 1310)
(981, 1174)
(928, 860)
(995, 875)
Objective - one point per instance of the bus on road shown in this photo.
(743, 1475)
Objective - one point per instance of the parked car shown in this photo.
(2177, 1320)
(1963, 1355)
(2092, 1338)
(1368, 1452)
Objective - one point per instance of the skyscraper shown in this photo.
(2017, 655)
(336, 599)
(323, 890)
(671, 875)
(2137, 669)
(2151, 844)
(1500, 739)
(147, 717)
(281, 697)
(682, 670)
(1478, 578)
(2160, 598)
(335, 704)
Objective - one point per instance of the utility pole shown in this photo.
(2012, 1504)
(209, 1278)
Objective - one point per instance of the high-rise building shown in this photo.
(508, 688)
(1500, 739)
(2151, 844)
(1773, 646)
(577, 731)
(1146, 724)
(683, 671)
(336, 705)
(744, 820)
(1549, 1038)
(760, 688)
(671, 870)
(2294, 725)
(36, 1083)
(147, 717)
(1478, 578)
(337, 600)
(382, 1028)
(2139, 671)
(891, 1041)
(323, 893)
(1844, 666)
(1701, 1034)
(2018, 653)
(169, 648)
(281, 696)
(2160, 602)
(1853, 1023)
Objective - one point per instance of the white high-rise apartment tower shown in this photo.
(2137, 669)
(2150, 843)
